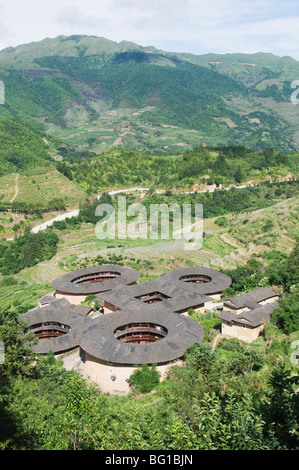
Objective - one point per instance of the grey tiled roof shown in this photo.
(218, 282)
(178, 299)
(99, 341)
(96, 336)
(67, 285)
(253, 318)
(60, 311)
(255, 296)
(46, 299)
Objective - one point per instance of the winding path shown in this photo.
(75, 212)
(16, 188)
(58, 218)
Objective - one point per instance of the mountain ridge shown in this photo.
(114, 46)
(75, 41)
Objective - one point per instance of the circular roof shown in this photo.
(217, 282)
(81, 282)
(99, 341)
(63, 313)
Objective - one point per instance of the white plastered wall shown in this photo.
(242, 332)
(114, 379)
(73, 299)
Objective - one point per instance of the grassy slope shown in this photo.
(40, 185)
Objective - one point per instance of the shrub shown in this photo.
(222, 221)
(286, 316)
(201, 356)
(145, 379)
(232, 344)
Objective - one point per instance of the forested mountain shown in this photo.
(98, 94)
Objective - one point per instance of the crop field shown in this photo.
(43, 273)
(78, 248)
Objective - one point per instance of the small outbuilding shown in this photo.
(249, 300)
(248, 325)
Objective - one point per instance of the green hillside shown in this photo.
(29, 178)
(203, 167)
(97, 94)
(21, 147)
(84, 116)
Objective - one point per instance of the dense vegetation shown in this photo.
(56, 204)
(234, 200)
(226, 165)
(183, 94)
(36, 94)
(21, 147)
(275, 268)
(27, 250)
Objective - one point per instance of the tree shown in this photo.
(246, 361)
(17, 362)
(201, 356)
(292, 268)
(78, 401)
(281, 407)
(268, 225)
(286, 315)
(27, 250)
(106, 198)
(231, 423)
(220, 166)
(222, 221)
(238, 175)
(18, 355)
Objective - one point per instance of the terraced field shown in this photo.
(222, 247)
(182, 251)
(43, 273)
(254, 231)
(214, 252)
(38, 186)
